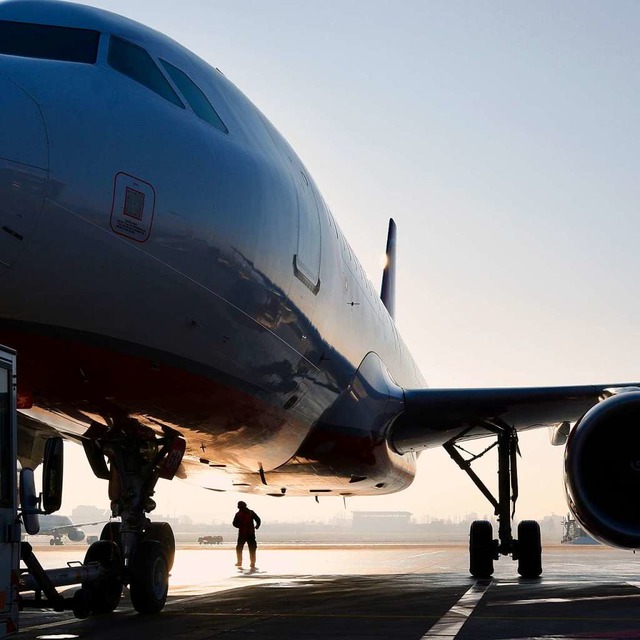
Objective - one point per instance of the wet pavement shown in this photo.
(384, 591)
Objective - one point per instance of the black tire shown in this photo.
(111, 532)
(529, 549)
(104, 594)
(481, 549)
(159, 531)
(149, 579)
(163, 533)
(81, 604)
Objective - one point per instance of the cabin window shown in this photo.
(194, 96)
(133, 61)
(48, 42)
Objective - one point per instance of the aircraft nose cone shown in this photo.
(24, 167)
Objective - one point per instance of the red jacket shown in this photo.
(244, 520)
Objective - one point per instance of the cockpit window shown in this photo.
(194, 96)
(133, 61)
(48, 42)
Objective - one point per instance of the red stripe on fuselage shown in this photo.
(74, 379)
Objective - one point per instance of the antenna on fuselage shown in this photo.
(388, 290)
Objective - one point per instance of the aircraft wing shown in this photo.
(87, 524)
(432, 417)
(53, 530)
(68, 527)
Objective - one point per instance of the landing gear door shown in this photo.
(9, 524)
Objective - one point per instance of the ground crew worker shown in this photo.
(243, 522)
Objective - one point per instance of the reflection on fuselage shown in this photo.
(182, 270)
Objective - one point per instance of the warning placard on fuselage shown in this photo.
(133, 207)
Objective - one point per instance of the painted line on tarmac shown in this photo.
(49, 625)
(451, 622)
(519, 603)
(547, 583)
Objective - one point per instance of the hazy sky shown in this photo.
(503, 138)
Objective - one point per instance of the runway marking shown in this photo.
(450, 624)
(502, 603)
(58, 623)
(48, 625)
(555, 583)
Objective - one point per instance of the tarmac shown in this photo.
(399, 591)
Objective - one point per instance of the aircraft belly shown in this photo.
(68, 382)
(335, 475)
(346, 452)
(157, 345)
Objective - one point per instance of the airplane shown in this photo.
(58, 526)
(184, 304)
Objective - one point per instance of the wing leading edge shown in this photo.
(432, 417)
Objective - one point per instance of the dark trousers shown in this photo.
(250, 539)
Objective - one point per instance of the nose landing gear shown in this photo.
(137, 459)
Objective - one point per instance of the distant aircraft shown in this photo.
(58, 526)
(184, 304)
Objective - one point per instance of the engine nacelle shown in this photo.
(75, 535)
(602, 470)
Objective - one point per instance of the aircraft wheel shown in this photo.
(163, 533)
(481, 549)
(52, 542)
(81, 604)
(111, 531)
(529, 549)
(104, 594)
(149, 579)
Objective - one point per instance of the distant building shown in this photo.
(381, 520)
(89, 513)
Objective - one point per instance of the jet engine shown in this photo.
(76, 535)
(602, 470)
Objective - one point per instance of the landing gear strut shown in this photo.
(137, 459)
(483, 549)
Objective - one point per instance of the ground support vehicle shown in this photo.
(98, 575)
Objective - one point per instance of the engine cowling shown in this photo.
(602, 470)
(76, 535)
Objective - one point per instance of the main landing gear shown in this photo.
(143, 549)
(483, 549)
